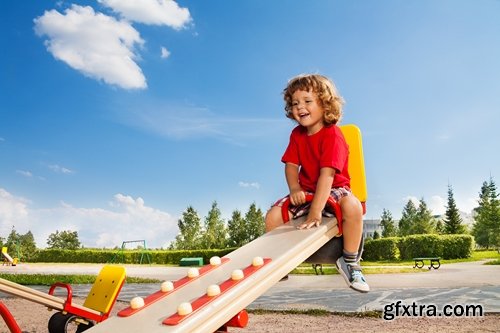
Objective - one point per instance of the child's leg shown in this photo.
(273, 218)
(348, 264)
(352, 214)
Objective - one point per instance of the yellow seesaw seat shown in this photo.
(352, 135)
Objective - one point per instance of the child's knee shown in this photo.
(351, 207)
(273, 218)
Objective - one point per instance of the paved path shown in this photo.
(462, 283)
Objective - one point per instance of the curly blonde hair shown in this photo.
(324, 88)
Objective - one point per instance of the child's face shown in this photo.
(307, 110)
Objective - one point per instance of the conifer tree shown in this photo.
(480, 229)
(424, 222)
(255, 222)
(237, 232)
(387, 224)
(408, 217)
(452, 221)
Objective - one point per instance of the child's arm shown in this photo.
(323, 188)
(297, 195)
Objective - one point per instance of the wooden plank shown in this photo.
(286, 246)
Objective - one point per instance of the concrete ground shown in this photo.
(460, 283)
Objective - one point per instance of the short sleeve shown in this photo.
(291, 154)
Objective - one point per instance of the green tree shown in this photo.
(408, 217)
(236, 228)
(189, 237)
(440, 227)
(424, 222)
(494, 216)
(376, 235)
(480, 229)
(254, 219)
(21, 246)
(486, 229)
(214, 236)
(452, 221)
(64, 240)
(387, 224)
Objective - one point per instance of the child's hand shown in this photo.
(297, 197)
(313, 220)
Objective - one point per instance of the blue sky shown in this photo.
(117, 115)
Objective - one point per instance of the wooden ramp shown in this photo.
(282, 250)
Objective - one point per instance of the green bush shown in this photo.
(428, 245)
(381, 249)
(457, 246)
(161, 257)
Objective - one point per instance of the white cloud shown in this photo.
(246, 184)
(437, 205)
(164, 53)
(59, 169)
(414, 199)
(155, 12)
(24, 173)
(13, 212)
(97, 45)
(126, 218)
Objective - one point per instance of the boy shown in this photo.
(316, 161)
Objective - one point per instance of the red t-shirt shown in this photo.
(327, 148)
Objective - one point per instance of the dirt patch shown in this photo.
(32, 318)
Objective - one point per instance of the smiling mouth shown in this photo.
(303, 115)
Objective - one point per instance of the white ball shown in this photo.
(237, 274)
(213, 290)
(184, 309)
(193, 272)
(215, 261)
(257, 261)
(167, 286)
(137, 302)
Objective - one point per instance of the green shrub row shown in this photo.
(161, 257)
(444, 246)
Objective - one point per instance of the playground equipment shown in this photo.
(189, 305)
(119, 257)
(95, 309)
(7, 259)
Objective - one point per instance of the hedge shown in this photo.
(428, 245)
(381, 249)
(161, 257)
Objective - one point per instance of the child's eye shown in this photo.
(308, 101)
(295, 103)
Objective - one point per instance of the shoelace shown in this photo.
(356, 272)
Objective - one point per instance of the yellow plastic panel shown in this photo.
(353, 137)
(105, 288)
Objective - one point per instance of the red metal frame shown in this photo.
(68, 304)
(9, 319)
(309, 197)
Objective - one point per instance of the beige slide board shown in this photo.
(286, 246)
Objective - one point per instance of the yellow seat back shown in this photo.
(353, 138)
(105, 289)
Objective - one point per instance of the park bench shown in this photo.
(434, 262)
